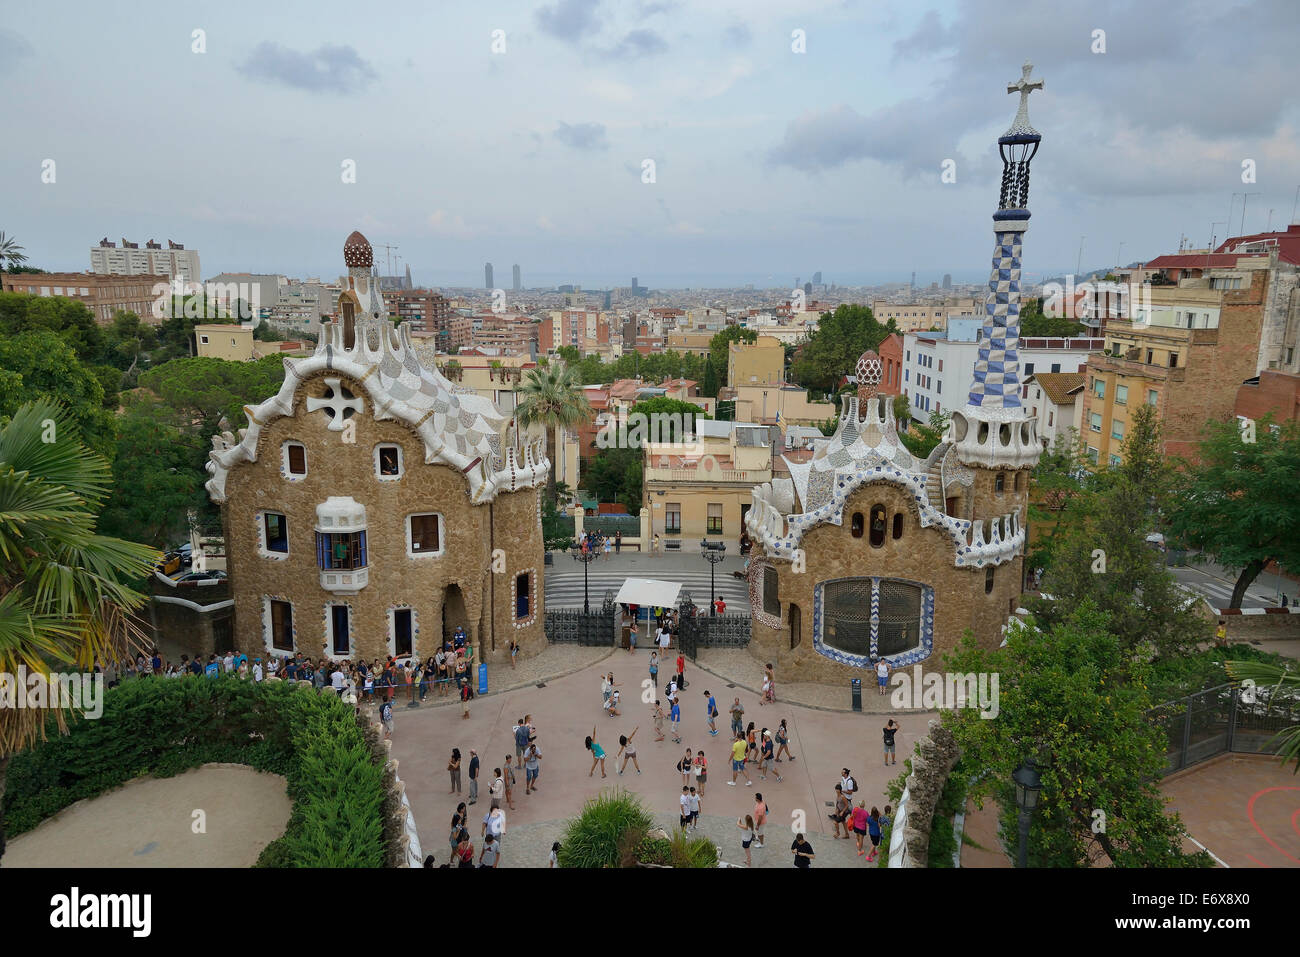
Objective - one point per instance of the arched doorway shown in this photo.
(453, 612)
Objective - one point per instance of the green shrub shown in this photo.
(692, 852)
(654, 850)
(164, 727)
(608, 823)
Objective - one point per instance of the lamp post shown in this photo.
(1029, 787)
(586, 557)
(713, 553)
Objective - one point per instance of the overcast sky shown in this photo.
(769, 163)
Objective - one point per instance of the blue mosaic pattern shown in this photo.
(922, 651)
(997, 370)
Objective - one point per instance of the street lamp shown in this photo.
(586, 557)
(713, 553)
(1029, 787)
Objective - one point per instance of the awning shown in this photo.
(648, 591)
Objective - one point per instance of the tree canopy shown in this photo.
(721, 343)
(1238, 501)
(833, 349)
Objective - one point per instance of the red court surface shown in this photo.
(1244, 809)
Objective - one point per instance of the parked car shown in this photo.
(191, 578)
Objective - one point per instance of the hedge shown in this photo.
(161, 727)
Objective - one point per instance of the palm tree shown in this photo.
(63, 593)
(10, 252)
(552, 397)
(1287, 683)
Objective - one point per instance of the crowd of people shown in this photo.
(598, 543)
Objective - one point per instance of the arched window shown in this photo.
(1019, 479)
(856, 526)
(898, 524)
(999, 482)
(988, 580)
(877, 525)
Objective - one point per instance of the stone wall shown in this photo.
(469, 534)
(933, 760)
(923, 555)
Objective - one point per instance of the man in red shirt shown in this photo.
(719, 606)
(681, 670)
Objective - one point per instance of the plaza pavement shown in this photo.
(564, 712)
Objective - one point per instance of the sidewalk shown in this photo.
(742, 670)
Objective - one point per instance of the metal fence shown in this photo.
(1223, 719)
(597, 629)
(703, 630)
(629, 525)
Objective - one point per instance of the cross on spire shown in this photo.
(1024, 86)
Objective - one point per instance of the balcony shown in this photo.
(688, 476)
(1136, 367)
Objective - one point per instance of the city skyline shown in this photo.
(767, 163)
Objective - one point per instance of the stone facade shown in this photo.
(360, 439)
(920, 555)
(469, 534)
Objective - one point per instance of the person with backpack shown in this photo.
(386, 716)
(521, 740)
(874, 831)
(712, 709)
(686, 766)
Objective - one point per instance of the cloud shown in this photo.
(13, 48)
(582, 136)
(568, 19)
(640, 42)
(663, 6)
(327, 69)
(738, 34)
(446, 224)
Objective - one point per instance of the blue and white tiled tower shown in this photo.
(993, 429)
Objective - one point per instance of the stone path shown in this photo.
(565, 711)
(736, 666)
(530, 845)
(148, 823)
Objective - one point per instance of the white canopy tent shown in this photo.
(648, 592)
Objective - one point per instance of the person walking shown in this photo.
(628, 750)
(464, 850)
(618, 543)
(681, 670)
(685, 802)
(841, 813)
(675, 716)
(746, 825)
(597, 754)
(760, 818)
(509, 780)
(454, 767)
(497, 789)
(889, 730)
(386, 717)
(457, 825)
(473, 776)
(846, 781)
(769, 685)
(532, 768)
(712, 708)
(664, 637)
(490, 854)
(658, 715)
(860, 817)
(766, 761)
(737, 716)
(803, 852)
(686, 766)
(782, 742)
(738, 749)
(654, 670)
(701, 772)
(873, 831)
(520, 732)
(719, 606)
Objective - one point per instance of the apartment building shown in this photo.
(937, 368)
(704, 491)
(175, 261)
(1055, 399)
(761, 362)
(506, 335)
(103, 294)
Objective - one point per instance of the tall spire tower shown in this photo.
(993, 429)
